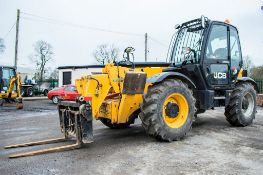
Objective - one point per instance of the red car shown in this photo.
(66, 92)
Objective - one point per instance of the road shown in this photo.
(212, 146)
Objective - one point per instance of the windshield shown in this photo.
(6, 74)
(186, 46)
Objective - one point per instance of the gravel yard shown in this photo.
(212, 146)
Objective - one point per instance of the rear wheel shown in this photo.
(45, 92)
(167, 111)
(241, 109)
(29, 91)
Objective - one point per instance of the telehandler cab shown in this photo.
(10, 84)
(204, 71)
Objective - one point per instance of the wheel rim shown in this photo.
(179, 117)
(55, 100)
(30, 92)
(247, 105)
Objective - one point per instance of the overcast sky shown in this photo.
(74, 46)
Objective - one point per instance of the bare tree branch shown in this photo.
(105, 54)
(43, 54)
(247, 63)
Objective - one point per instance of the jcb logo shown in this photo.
(219, 75)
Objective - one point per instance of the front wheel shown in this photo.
(55, 99)
(107, 122)
(167, 111)
(241, 109)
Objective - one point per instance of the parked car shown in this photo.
(66, 92)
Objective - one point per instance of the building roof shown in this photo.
(81, 67)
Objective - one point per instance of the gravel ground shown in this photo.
(212, 146)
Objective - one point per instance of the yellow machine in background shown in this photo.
(10, 83)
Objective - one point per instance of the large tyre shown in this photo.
(30, 92)
(241, 109)
(167, 111)
(108, 123)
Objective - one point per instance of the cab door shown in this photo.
(216, 63)
(235, 54)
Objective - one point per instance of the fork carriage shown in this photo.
(75, 122)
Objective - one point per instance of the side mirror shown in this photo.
(203, 21)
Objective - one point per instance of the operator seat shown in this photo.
(220, 53)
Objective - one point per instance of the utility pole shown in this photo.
(17, 31)
(146, 46)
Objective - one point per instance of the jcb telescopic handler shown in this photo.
(204, 71)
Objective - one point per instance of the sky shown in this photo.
(74, 45)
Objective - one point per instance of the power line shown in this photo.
(64, 23)
(10, 30)
(155, 40)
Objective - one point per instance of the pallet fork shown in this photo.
(67, 113)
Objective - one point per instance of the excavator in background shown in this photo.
(204, 71)
(10, 85)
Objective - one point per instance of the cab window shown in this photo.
(217, 43)
(6, 74)
(70, 88)
(235, 51)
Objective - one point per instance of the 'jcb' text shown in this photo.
(219, 75)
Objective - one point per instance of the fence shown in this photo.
(260, 85)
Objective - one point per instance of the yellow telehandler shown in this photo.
(204, 71)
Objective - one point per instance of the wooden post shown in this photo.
(146, 46)
(17, 32)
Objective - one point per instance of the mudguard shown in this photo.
(250, 80)
(161, 76)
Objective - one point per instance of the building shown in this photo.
(68, 74)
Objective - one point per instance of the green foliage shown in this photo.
(256, 72)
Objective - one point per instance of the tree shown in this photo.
(106, 54)
(2, 45)
(43, 54)
(54, 74)
(256, 72)
(247, 63)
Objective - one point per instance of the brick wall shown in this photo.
(260, 100)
